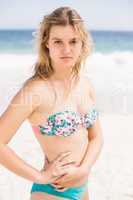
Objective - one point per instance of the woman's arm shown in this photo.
(21, 106)
(80, 174)
(94, 147)
(95, 138)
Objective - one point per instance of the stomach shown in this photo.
(53, 146)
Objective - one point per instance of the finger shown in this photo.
(61, 179)
(67, 161)
(54, 185)
(58, 187)
(61, 170)
(64, 168)
(61, 189)
(60, 157)
(58, 172)
(57, 179)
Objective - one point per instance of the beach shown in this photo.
(111, 76)
(111, 175)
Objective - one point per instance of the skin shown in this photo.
(65, 47)
(35, 102)
(65, 42)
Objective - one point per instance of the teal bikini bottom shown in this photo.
(75, 193)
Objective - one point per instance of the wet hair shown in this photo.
(61, 16)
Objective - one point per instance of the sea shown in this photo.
(110, 66)
(22, 41)
(110, 70)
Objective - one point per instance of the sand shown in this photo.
(111, 175)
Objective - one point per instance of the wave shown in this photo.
(111, 75)
(117, 57)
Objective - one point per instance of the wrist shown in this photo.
(41, 178)
(38, 177)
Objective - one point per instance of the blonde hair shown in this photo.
(61, 16)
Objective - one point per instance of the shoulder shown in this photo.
(31, 92)
(89, 87)
(35, 86)
(22, 105)
(40, 92)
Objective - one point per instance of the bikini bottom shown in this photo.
(75, 193)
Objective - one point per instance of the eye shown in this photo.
(57, 42)
(73, 41)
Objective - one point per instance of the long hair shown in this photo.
(61, 16)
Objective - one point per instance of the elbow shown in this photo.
(2, 145)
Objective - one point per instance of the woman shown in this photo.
(59, 102)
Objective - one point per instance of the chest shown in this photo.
(78, 102)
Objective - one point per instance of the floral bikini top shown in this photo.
(66, 123)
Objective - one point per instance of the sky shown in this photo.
(97, 14)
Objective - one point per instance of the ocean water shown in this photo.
(110, 67)
(23, 41)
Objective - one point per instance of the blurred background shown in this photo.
(110, 69)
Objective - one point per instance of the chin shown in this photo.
(68, 64)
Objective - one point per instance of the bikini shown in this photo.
(65, 123)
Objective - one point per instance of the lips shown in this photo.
(66, 57)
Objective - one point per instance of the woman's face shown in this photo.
(64, 46)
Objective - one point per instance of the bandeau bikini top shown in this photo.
(66, 123)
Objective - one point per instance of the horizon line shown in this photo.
(30, 29)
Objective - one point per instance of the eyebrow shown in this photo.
(56, 38)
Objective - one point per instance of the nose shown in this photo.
(66, 48)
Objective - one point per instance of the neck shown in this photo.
(62, 76)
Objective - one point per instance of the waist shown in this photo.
(77, 154)
(54, 146)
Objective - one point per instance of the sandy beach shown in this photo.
(111, 176)
(25, 28)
